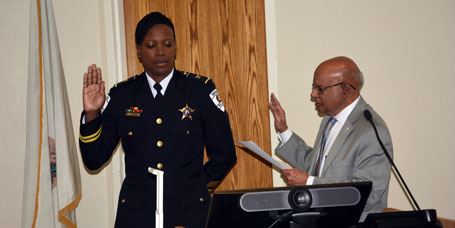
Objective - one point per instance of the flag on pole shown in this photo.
(52, 186)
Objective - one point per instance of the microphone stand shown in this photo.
(419, 218)
(369, 117)
(159, 214)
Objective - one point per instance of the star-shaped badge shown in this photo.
(186, 112)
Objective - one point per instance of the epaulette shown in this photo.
(200, 78)
(130, 79)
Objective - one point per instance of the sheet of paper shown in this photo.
(257, 150)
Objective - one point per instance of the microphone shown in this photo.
(369, 117)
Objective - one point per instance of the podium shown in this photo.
(328, 205)
(402, 219)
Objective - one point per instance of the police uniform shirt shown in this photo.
(169, 135)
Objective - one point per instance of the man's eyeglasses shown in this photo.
(321, 90)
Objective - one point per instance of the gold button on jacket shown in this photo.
(171, 132)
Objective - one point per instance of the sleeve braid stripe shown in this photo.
(92, 137)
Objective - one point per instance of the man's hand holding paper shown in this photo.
(257, 150)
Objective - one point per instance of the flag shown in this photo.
(52, 186)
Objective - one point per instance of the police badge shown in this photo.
(186, 112)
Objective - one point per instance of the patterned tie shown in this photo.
(158, 88)
(327, 129)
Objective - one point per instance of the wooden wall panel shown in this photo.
(225, 40)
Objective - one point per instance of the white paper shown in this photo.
(257, 150)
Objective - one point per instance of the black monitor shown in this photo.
(328, 205)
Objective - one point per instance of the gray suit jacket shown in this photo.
(354, 156)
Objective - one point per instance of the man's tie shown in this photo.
(158, 96)
(327, 129)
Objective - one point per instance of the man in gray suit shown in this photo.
(346, 148)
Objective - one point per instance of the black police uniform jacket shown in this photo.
(169, 135)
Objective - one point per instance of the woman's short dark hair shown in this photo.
(147, 22)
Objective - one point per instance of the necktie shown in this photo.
(158, 95)
(327, 129)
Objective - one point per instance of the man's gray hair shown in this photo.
(359, 79)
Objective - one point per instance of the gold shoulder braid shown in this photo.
(125, 81)
(200, 78)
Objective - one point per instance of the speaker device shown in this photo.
(299, 199)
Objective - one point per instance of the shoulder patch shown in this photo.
(200, 78)
(130, 79)
(216, 99)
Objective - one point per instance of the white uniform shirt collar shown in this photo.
(343, 115)
(164, 83)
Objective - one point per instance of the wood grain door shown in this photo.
(224, 40)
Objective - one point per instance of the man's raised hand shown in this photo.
(279, 115)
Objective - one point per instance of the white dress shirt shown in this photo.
(341, 118)
(164, 83)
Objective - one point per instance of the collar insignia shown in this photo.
(186, 112)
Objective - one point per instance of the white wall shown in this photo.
(13, 83)
(81, 31)
(406, 51)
